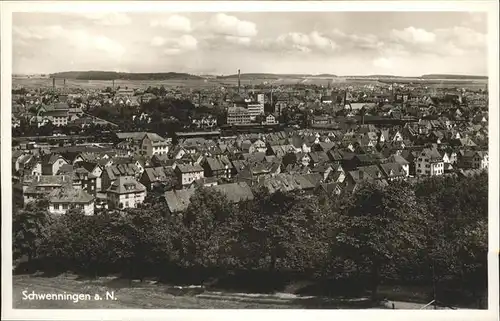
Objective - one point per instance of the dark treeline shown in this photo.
(111, 75)
(432, 233)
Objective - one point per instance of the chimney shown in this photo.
(53, 83)
(113, 84)
(239, 81)
(64, 82)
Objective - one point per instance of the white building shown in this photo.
(429, 163)
(255, 109)
(154, 144)
(125, 192)
(62, 199)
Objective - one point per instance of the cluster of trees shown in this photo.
(431, 233)
(167, 115)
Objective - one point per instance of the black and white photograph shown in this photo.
(237, 158)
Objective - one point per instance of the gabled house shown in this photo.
(125, 192)
(154, 144)
(113, 172)
(402, 162)
(63, 198)
(473, 159)
(217, 167)
(302, 159)
(393, 171)
(429, 163)
(317, 158)
(154, 176)
(51, 163)
(186, 174)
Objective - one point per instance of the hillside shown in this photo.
(262, 76)
(110, 75)
(447, 76)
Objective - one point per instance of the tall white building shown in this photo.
(256, 108)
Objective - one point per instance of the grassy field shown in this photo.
(147, 294)
(139, 295)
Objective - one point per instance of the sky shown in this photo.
(340, 43)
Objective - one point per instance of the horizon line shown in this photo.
(249, 73)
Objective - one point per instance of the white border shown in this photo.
(6, 9)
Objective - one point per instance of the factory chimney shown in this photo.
(54, 83)
(113, 85)
(64, 82)
(239, 83)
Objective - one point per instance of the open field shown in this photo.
(213, 83)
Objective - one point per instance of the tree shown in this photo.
(149, 238)
(382, 224)
(271, 229)
(202, 236)
(28, 229)
(457, 245)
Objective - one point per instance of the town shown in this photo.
(354, 185)
(109, 148)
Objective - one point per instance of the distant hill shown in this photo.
(374, 76)
(263, 76)
(324, 76)
(110, 75)
(447, 76)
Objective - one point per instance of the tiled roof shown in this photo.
(118, 170)
(158, 174)
(235, 192)
(50, 158)
(392, 169)
(288, 182)
(178, 200)
(187, 168)
(70, 195)
(398, 159)
(33, 182)
(131, 135)
(125, 185)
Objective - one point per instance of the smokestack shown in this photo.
(113, 84)
(64, 82)
(53, 83)
(239, 81)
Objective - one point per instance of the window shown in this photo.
(126, 204)
(65, 206)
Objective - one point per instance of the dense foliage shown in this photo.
(431, 233)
